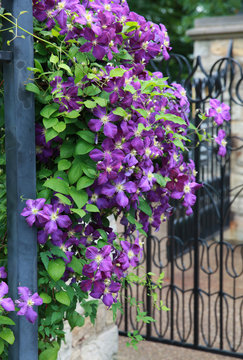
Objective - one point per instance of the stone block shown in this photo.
(104, 347)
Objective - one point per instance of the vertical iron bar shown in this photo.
(21, 174)
(172, 272)
(148, 270)
(196, 239)
(221, 255)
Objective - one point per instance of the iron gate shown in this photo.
(203, 268)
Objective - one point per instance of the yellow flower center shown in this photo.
(104, 119)
(219, 109)
(187, 189)
(119, 187)
(147, 151)
(107, 7)
(130, 254)
(34, 211)
(223, 143)
(30, 302)
(94, 197)
(150, 175)
(98, 259)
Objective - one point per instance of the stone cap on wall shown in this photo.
(220, 27)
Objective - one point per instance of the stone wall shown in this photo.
(92, 342)
(211, 41)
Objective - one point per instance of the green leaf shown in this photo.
(103, 234)
(1, 346)
(179, 143)
(39, 66)
(49, 354)
(75, 172)
(50, 134)
(54, 59)
(48, 110)
(56, 269)
(170, 117)
(33, 88)
(80, 197)
(90, 104)
(79, 73)
(161, 180)
(87, 135)
(57, 185)
(84, 182)
(76, 265)
(46, 298)
(75, 319)
(64, 164)
(100, 101)
(49, 123)
(63, 298)
(79, 212)
(4, 320)
(82, 147)
(64, 199)
(89, 168)
(92, 208)
(66, 67)
(92, 90)
(118, 72)
(144, 206)
(7, 335)
(60, 126)
(66, 150)
(120, 111)
(72, 114)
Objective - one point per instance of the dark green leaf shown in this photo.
(144, 206)
(46, 298)
(79, 197)
(57, 185)
(82, 147)
(63, 298)
(84, 182)
(33, 88)
(56, 269)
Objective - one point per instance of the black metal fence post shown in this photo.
(196, 238)
(148, 270)
(21, 174)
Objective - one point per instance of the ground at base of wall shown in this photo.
(148, 350)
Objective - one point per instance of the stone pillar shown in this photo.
(212, 37)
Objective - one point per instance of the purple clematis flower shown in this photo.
(52, 218)
(6, 303)
(96, 44)
(26, 303)
(110, 292)
(119, 188)
(132, 251)
(101, 258)
(219, 111)
(105, 119)
(33, 210)
(3, 274)
(220, 139)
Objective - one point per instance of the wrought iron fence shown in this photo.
(203, 272)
